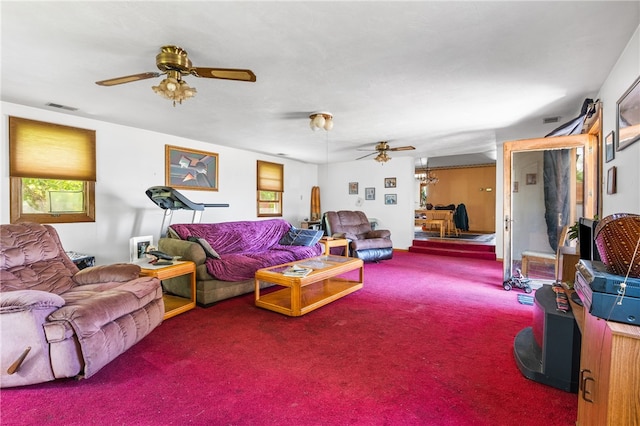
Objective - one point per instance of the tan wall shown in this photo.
(468, 186)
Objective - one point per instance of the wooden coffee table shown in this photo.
(301, 295)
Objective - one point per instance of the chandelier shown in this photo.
(427, 177)
(174, 88)
(321, 120)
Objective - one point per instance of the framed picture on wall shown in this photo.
(532, 178)
(391, 199)
(628, 116)
(609, 148)
(390, 182)
(353, 187)
(191, 169)
(369, 193)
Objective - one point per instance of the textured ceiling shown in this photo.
(445, 77)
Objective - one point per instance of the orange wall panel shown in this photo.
(468, 186)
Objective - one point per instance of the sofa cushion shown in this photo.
(301, 237)
(243, 266)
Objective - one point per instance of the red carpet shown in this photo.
(427, 341)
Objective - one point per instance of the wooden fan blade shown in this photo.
(368, 155)
(128, 78)
(402, 148)
(224, 73)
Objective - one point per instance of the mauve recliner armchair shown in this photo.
(57, 321)
(365, 243)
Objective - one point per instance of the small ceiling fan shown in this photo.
(174, 63)
(382, 148)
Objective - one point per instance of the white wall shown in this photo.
(627, 161)
(334, 193)
(130, 160)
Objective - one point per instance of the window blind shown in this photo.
(51, 151)
(270, 176)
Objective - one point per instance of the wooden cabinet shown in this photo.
(609, 382)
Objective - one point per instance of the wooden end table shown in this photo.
(173, 305)
(301, 295)
(329, 242)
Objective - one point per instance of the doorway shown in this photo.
(527, 225)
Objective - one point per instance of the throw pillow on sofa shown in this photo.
(301, 237)
(205, 246)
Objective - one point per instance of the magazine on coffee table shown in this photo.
(297, 271)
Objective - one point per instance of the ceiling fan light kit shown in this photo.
(174, 88)
(174, 62)
(321, 120)
(382, 157)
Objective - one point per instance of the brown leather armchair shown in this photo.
(365, 243)
(58, 321)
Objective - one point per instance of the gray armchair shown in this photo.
(57, 321)
(365, 243)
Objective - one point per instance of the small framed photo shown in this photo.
(609, 148)
(532, 178)
(353, 188)
(628, 116)
(369, 193)
(611, 180)
(515, 186)
(390, 182)
(391, 199)
(138, 246)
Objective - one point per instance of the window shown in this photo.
(270, 184)
(52, 170)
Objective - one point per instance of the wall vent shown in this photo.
(549, 120)
(68, 108)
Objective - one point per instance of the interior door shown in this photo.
(588, 143)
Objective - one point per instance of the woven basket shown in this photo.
(617, 237)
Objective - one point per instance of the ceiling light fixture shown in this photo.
(382, 157)
(174, 88)
(426, 176)
(321, 120)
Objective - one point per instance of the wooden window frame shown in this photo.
(17, 215)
